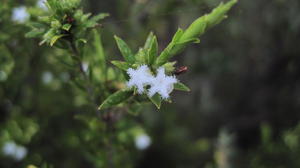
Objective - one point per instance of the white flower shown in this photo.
(162, 84)
(13, 150)
(19, 14)
(41, 4)
(47, 77)
(85, 67)
(142, 141)
(139, 78)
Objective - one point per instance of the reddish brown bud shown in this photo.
(70, 19)
(180, 70)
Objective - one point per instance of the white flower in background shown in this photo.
(41, 4)
(142, 141)
(19, 14)
(162, 84)
(85, 67)
(47, 77)
(3, 76)
(13, 150)
(139, 78)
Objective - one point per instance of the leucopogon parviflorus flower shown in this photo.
(142, 77)
(139, 78)
(162, 84)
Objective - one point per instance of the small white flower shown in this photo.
(142, 141)
(13, 150)
(85, 67)
(47, 77)
(162, 84)
(19, 14)
(9, 148)
(3, 76)
(139, 78)
(42, 4)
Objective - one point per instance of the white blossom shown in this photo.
(139, 78)
(47, 77)
(42, 4)
(3, 76)
(162, 84)
(19, 14)
(85, 67)
(13, 150)
(142, 141)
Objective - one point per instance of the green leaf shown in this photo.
(191, 34)
(156, 100)
(116, 98)
(152, 53)
(55, 24)
(99, 50)
(93, 21)
(66, 27)
(148, 40)
(177, 35)
(168, 52)
(55, 38)
(34, 33)
(200, 25)
(121, 65)
(141, 56)
(188, 41)
(36, 25)
(136, 108)
(125, 50)
(169, 66)
(84, 41)
(100, 16)
(196, 29)
(181, 87)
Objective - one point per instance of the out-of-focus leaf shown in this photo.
(34, 33)
(99, 50)
(66, 27)
(93, 21)
(55, 38)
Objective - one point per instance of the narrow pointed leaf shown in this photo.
(152, 53)
(121, 65)
(116, 98)
(55, 38)
(141, 56)
(34, 33)
(99, 50)
(125, 50)
(156, 100)
(66, 27)
(148, 41)
(181, 87)
(197, 28)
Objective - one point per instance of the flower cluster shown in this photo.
(142, 77)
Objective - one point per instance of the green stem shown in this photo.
(88, 85)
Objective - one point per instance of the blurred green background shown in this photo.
(243, 110)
